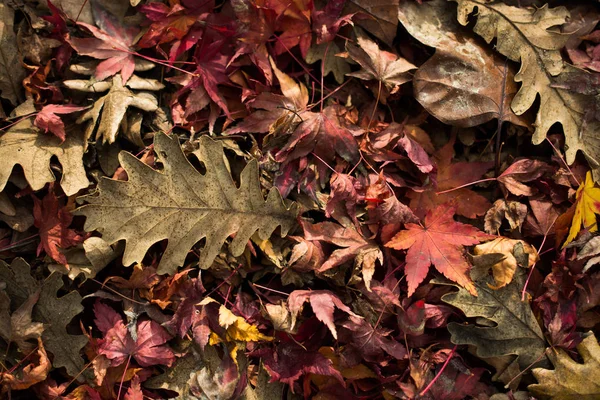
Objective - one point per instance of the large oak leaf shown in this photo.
(184, 206)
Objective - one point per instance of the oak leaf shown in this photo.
(571, 380)
(11, 69)
(523, 35)
(24, 145)
(109, 110)
(439, 241)
(507, 325)
(504, 270)
(188, 205)
(587, 205)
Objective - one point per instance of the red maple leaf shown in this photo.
(170, 23)
(53, 220)
(48, 120)
(371, 342)
(450, 176)
(118, 345)
(288, 361)
(439, 242)
(112, 43)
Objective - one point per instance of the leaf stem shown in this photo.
(424, 391)
(467, 184)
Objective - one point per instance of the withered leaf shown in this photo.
(182, 205)
(515, 332)
(462, 83)
(25, 145)
(523, 35)
(11, 69)
(571, 380)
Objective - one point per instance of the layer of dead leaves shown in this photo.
(293, 199)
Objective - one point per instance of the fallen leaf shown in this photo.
(48, 120)
(590, 252)
(322, 303)
(23, 145)
(382, 18)
(53, 222)
(390, 70)
(587, 205)
(242, 211)
(462, 83)
(326, 53)
(19, 327)
(439, 241)
(504, 270)
(287, 362)
(147, 349)
(11, 69)
(31, 373)
(570, 380)
(372, 342)
(353, 246)
(507, 325)
(108, 111)
(452, 176)
(523, 35)
(513, 211)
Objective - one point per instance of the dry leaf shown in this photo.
(108, 111)
(587, 205)
(25, 145)
(383, 17)
(11, 69)
(507, 324)
(19, 327)
(570, 380)
(188, 206)
(504, 270)
(326, 53)
(523, 35)
(513, 211)
(461, 84)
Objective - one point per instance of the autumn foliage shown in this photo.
(295, 199)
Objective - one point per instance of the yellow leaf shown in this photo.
(587, 206)
(504, 270)
(570, 380)
(237, 329)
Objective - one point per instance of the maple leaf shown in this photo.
(587, 205)
(371, 342)
(23, 144)
(117, 345)
(288, 361)
(353, 246)
(571, 380)
(451, 176)
(48, 120)
(199, 201)
(112, 43)
(135, 390)
(387, 68)
(322, 303)
(439, 242)
(53, 222)
(174, 22)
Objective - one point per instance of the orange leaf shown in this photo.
(440, 242)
